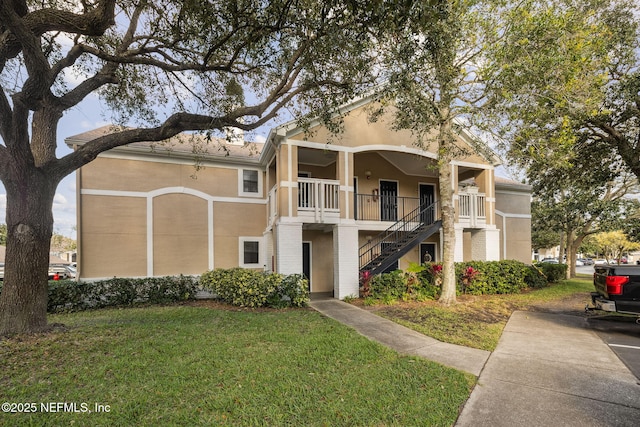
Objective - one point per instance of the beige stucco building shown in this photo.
(310, 203)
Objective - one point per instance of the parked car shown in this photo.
(58, 272)
(587, 261)
(579, 263)
(550, 260)
(71, 271)
(617, 289)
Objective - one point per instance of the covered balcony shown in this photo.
(318, 199)
(472, 208)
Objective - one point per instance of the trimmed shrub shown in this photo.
(295, 288)
(389, 285)
(489, 277)
(69, 295)
(534, 278)
(492, 277)
(398, 285)
(553, 272)
(251, 288)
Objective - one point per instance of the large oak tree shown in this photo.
(166, 66)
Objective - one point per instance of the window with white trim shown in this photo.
(250, 182)
(249, 252)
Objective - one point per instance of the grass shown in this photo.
(478, 321)
(195, 365)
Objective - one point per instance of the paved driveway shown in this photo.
(622, 335)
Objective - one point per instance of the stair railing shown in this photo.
(422, 216)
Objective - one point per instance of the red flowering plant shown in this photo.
(365, 286)
(468, 276)
(435, 271)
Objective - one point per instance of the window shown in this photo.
(249, 252)
(250, 182)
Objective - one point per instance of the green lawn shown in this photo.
(185, 365)
(478, 321)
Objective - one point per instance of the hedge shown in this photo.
(553, 272)
(475, 277)
(251, 288)
(396, 285)
(69, 295)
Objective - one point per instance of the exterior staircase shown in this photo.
(390, 245)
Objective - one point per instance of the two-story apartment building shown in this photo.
(324, 205)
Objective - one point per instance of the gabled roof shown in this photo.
(508, 184)
(195, 145)
(291, 128)
(184, 145)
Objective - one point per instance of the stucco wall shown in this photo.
(321, 259)
(230, 221)
(513, 219)
(113, 237)
(180, 241)
(359, 130)
(120, 196)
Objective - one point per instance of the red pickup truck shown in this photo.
(617, 289)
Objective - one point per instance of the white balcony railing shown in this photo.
(471, 207)
(318, 197)
(273, 204)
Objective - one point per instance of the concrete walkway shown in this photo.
(547, 370)
(401, 339)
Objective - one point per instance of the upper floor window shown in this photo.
(250, 182)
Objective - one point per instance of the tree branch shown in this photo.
(38, 22)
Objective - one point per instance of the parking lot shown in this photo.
(621, 333)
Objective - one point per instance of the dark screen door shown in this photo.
(306, 262)
(388, 201)
(427, 197)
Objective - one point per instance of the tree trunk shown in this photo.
(23, 302)
(562, 248)
(448, 294)
(571, 256)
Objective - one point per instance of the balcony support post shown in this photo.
(288, 248)
(345, 260)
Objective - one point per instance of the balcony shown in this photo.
(368, 207)
(371, 207)
(318, 199)
(471, 208)
(319, 202)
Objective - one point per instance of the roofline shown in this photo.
(162, 152)
(513, 186)
(291, 128)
